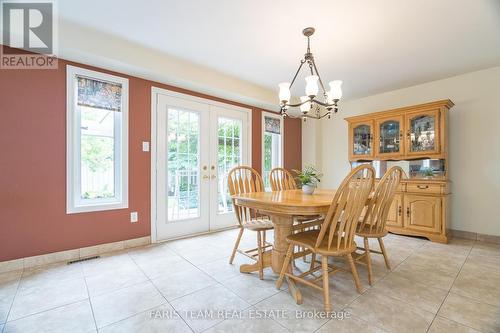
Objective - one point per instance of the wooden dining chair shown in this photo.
(373, 223)
(244, 179)
(281, 179)
(336, 236)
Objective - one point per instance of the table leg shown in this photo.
(282, 229)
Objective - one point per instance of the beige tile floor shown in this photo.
(161, 288)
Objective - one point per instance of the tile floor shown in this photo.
(162, 288)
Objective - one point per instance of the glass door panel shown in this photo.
(228, 156)
(182, 159)
(423, 133)
(389, 134)
(389, 137)
(183, 175)
(362, 135)
(230, 135)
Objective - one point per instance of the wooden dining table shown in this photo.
(283, 207)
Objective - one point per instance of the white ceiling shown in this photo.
(373, 46)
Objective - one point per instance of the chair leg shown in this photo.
(368, 260)
(236, 245)
(326, 285)
(261, 257)
(313, 261)
(284, 268)
(354, 272)
(384, 253)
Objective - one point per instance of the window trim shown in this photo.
(282, 133)
(73, 146)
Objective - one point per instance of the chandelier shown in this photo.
(310, 105)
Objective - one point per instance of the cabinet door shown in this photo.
(389, 137)
(395, 215)
(422, 213)
(361, 140)
(423, 132)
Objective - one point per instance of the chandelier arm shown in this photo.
(298, 104)
(320, 116)
(326, 105)
(297, 73)
(329, 113)
(319, 78)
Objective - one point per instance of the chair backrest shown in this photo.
(244, 179)
(281, 179)
(376, 214)
(347, 205)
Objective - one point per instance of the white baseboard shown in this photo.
(75, 254)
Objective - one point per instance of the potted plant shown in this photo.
(308, 178)
(427, 172)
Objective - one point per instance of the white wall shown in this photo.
(474, 143)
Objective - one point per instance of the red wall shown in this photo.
(33, 217)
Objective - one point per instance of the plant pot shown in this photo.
(308, 189)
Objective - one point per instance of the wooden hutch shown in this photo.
(415, 138)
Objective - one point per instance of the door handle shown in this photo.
(213, 177)
(206, 177)
(400, 210)
(408, 211)
(423, 187)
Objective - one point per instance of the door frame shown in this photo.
(155, 91)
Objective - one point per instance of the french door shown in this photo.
(197, 143)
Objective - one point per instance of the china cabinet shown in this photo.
(414, 138)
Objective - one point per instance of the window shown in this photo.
(97, 141)
(272, 145)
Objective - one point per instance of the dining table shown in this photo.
(283, 208)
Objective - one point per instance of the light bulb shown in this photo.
(284, 93)
(335, 92)
(312, 85)
(304, 108)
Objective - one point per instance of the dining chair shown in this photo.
(373, 223)
(281, 179)
(336, 236)
(244, 179)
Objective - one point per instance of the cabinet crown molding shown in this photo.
(444, 103)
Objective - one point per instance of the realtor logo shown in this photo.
(28, 31)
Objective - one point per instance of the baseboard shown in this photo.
(68, 255)
(475, 236)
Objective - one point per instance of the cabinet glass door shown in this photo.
(389, 134)
(362, 135)
(423, 133)
(389, 137)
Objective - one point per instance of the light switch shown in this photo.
(145, 146)
(134, 217)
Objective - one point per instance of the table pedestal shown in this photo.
(276, 257)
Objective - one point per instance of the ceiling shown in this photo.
(373, 46)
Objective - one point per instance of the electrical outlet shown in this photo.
(134, 217)
(145, 146)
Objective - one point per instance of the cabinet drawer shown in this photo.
(401, 186)
(424, 188)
